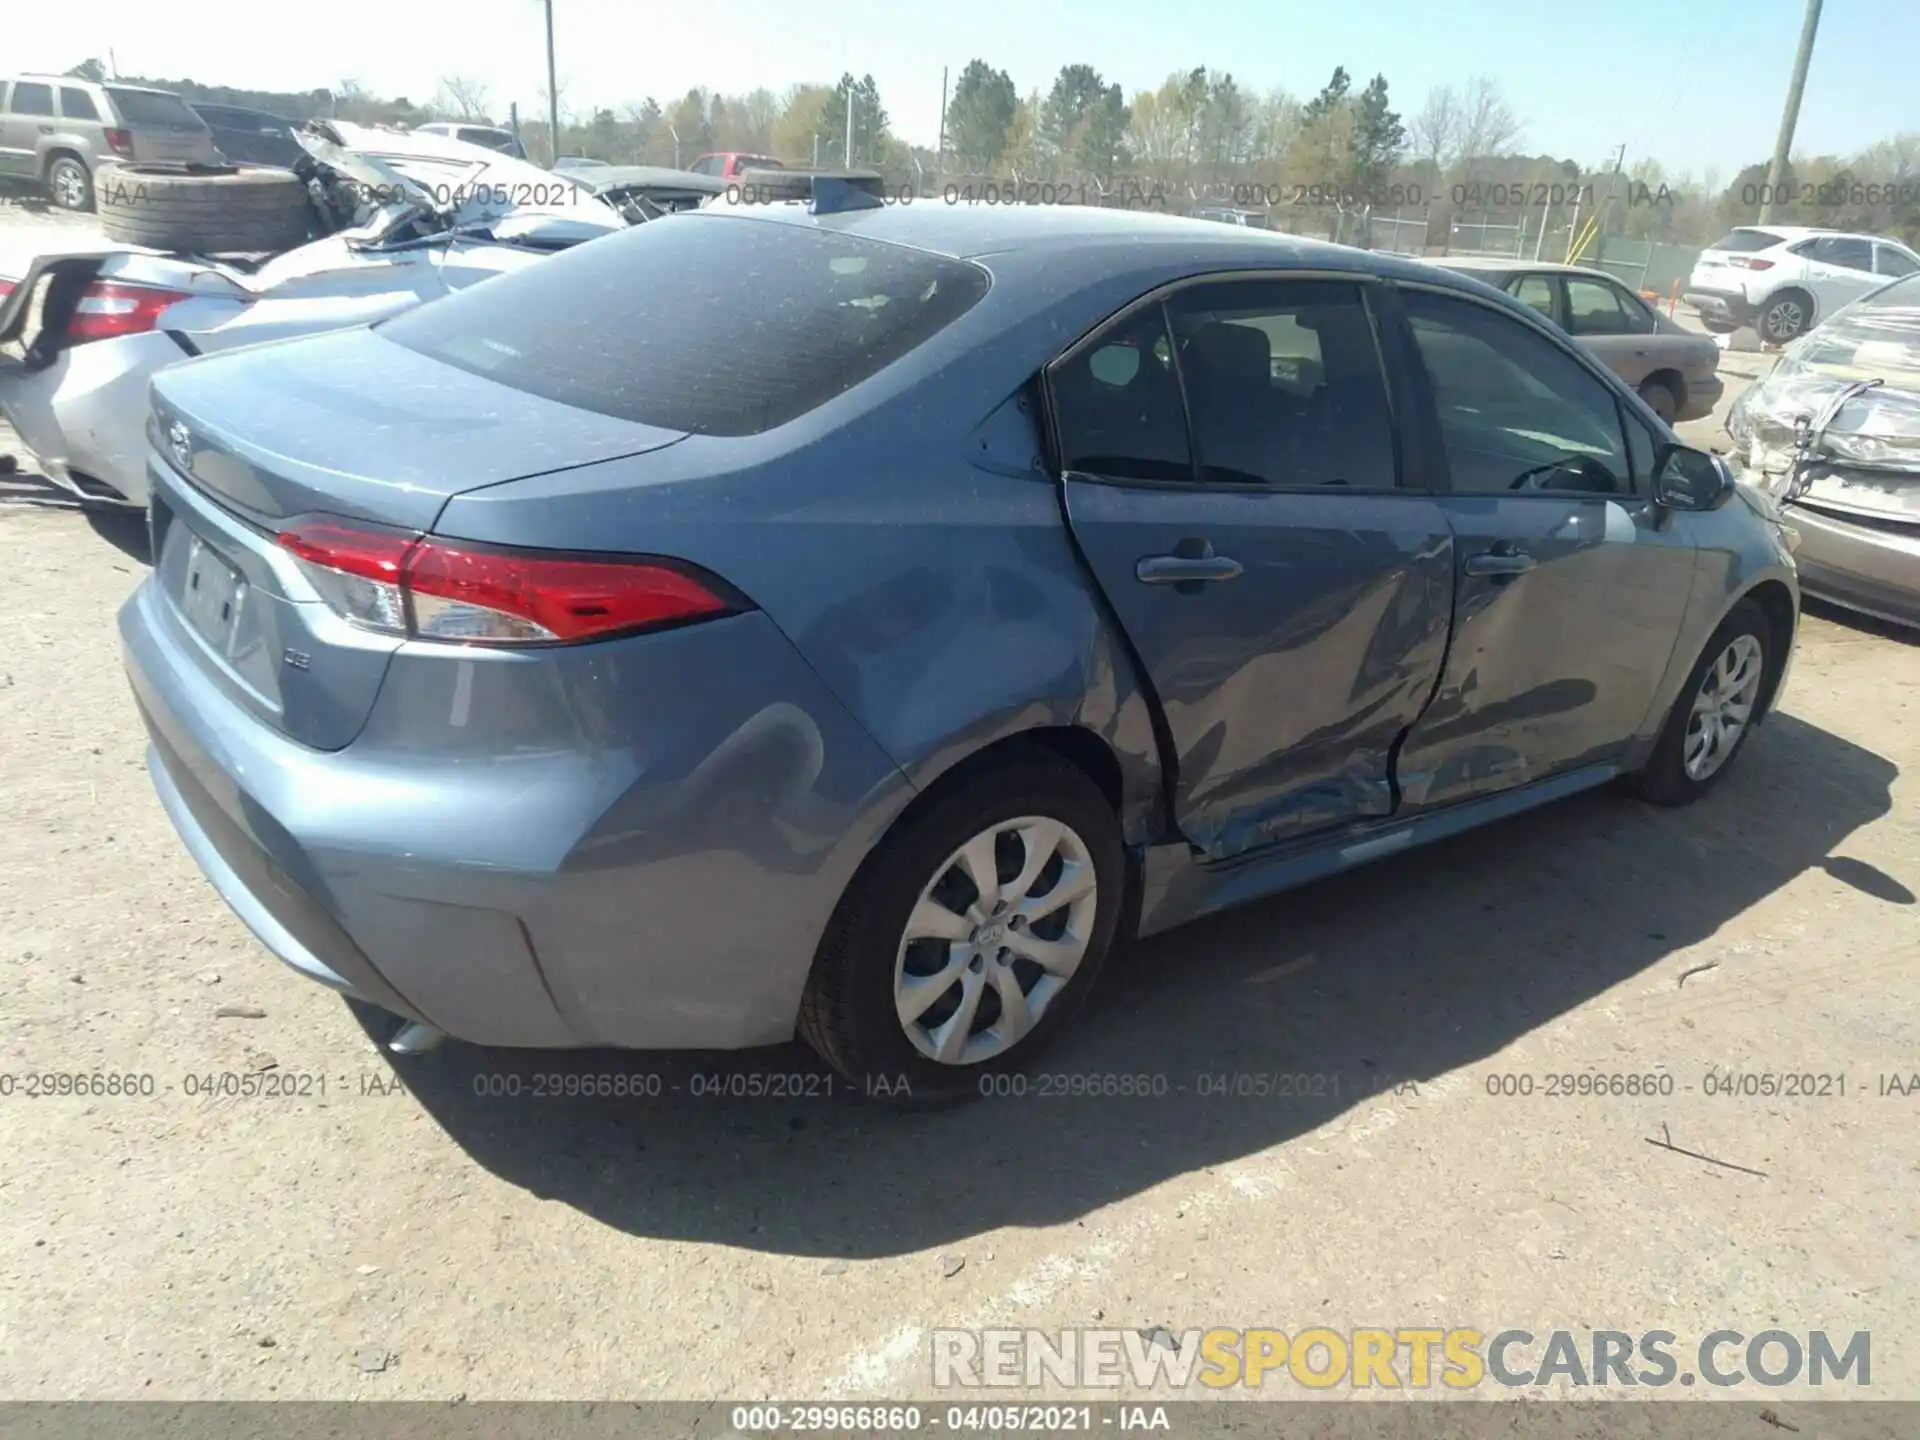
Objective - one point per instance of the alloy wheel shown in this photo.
(1784, 320)
(995, 936)
(69, 185)
(1722, 707)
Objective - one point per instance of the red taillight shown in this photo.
(108, 308)
(6, 288)
(435, 590)
(1747, 262)
(120, 142)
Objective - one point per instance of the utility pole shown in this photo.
(553, 95)
(940, 154)
(113, 65)
(1790, 116)
(847, 160)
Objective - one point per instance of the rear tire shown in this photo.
(1718, 327)
(1787, 317)
(210, 211)
(1698, 744)
(918, 980)
(70, 183)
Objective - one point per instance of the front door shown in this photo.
(1230, 473)
(1571, 584)
(1612, 324)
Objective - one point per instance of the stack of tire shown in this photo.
(204, 209)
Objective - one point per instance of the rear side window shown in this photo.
(1845, 251)
(492, 139)
(1283, 384)
(31, 99)
(717, 325)
(1117, 404)
(144, 107)
(77, 104)
(1744, 242)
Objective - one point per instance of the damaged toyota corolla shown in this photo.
(402, 219)
(1832, 433)
(593, 659)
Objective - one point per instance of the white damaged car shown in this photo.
(403, 218)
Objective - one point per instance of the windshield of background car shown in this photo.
(144, 107)
(720, 326)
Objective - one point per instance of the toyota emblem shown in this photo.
(180, 441)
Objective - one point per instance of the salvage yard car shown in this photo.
(1782, 280)
(1833, 433)
(60, 129)
(413, 218)
(1675, 371)
(588, 659)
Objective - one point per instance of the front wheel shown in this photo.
(971, 935)
(1714, 713)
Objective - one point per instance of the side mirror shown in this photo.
(1689, 479)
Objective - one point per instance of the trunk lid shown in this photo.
(349, 424)
(345, 424)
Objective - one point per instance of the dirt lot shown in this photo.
(416, 1240)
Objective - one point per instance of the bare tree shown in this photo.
(1435, 128)
(1488, 126)
(464, 97)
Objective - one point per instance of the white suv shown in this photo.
(1784, 279)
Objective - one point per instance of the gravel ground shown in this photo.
(401, 1236)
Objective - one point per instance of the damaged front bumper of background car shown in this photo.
(1838, 449)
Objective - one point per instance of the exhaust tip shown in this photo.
(416, 1037)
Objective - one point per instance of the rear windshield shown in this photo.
(1741, 242)
(719, 325)
(144, 107)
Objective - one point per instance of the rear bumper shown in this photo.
(1866, 568)
(635, 847)
(83, 417)
(1702, 395)
(1727, 305)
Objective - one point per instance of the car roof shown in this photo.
(1017, 234)
(36, 77)
(1496, 265)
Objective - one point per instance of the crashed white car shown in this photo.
(425, 215)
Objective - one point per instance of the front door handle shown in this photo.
(1497, 563)
(1193, 563)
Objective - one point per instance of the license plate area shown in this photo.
(211, 592)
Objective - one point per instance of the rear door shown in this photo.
(1839, 270)
(1614, 325)
(80, 117)
(1570, 584)
(1232, 475)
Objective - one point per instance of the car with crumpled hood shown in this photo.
(1832, 433)
(403, 219)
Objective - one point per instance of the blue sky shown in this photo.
(1695, 83)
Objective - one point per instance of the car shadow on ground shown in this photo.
(1405, 970)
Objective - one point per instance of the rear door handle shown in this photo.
(1499, 562)
(1203, 569)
